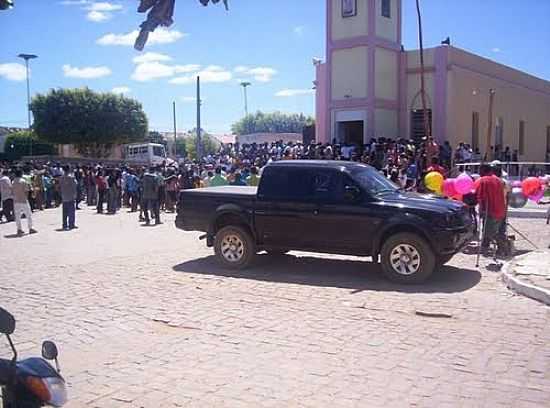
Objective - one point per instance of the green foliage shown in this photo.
(18, 145)
(155, 137)
(90, 120)
(181, 147)
(210, 145)
(276, 122)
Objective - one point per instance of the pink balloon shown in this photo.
(464, 184)
(449, 188)
(536, 197)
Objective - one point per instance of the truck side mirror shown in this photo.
(49, 350)
(7, 322)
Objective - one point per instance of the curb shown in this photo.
(525, 289)
(527, 214)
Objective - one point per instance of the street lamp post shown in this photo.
(245, 85)
(28, 57)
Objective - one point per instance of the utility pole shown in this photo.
(245, 85)
(199, 144)
(28, 57)
(427, 132)
(489, 124)
(175, 131)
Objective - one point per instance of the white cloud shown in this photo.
(121, 90)
(299, 30)
(189, 99)
(151, 57)
(211, 74)
(159, 36)
(496, 49)
(148, 71)
(73, 2)
(86, 72)
(260, 74)
(104, 6)
(241, 68)
(294, 92)
(13, 71)
(98, 16)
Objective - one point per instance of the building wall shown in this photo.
(348, 27)
(518, 97)
(386, 123)
(349, 73)
(321, 103)
(387, 27)
(386, 73)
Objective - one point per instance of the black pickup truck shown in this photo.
(330, 207)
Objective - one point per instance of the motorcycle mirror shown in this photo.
(49, 350)
(7, 322)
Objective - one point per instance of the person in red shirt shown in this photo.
(492, 206)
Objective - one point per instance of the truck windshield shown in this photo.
(372, 181)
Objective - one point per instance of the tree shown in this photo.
(91, 121)
(210, 145)
(17, 145)
(160, 13)
(156, 137)
(275, 122)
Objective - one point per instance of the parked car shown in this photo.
(332, 207)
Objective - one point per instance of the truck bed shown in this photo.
(226, 191)
(197, 207)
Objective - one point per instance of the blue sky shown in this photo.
(269, 43)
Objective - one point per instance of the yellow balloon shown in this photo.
(434, 182)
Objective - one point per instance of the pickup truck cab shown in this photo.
(332, 207)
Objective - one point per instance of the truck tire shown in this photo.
(407, 258)
(234, 247)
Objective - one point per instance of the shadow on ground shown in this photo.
(339, 273)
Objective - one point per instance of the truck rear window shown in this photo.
(297, 184)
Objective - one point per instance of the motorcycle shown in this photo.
(33, 382)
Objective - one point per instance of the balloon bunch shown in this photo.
(453, 188)
(532, 188)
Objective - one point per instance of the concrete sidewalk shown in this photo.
(529, 275)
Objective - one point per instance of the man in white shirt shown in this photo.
(21, 189)
(7, 196)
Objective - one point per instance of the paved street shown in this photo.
(144, 317)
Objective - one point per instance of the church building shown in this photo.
(369, 86)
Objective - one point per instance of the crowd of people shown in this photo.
(29, 187)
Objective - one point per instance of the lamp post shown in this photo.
(28, 57)
(245, 85)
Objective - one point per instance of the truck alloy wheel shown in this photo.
(407, 258)
(234, 247)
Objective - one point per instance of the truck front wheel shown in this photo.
(407, 258)
(234, 247)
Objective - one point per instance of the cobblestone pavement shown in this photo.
(144, 317)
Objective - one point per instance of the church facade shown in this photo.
(369, 86)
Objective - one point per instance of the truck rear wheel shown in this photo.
(234, 247)
(407, 258)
